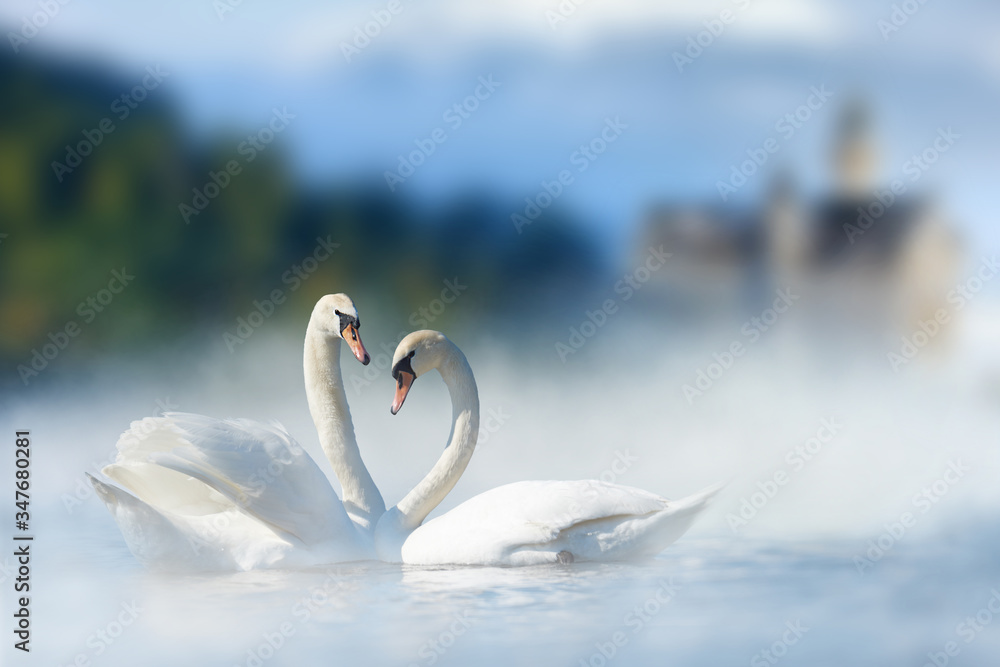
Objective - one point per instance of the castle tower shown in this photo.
(855, 156)
(786, 230)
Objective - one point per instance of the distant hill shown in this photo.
(92, 183)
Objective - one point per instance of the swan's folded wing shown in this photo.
(262, 471)
(544, 509)
(156, 486)
(488, 527)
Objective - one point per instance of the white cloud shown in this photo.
(303, 32)
(444, 28)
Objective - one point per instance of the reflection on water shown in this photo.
(706, 601)
(788, 582)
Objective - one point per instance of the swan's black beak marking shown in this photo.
(349, 332)
(404, 376)
(403, 383)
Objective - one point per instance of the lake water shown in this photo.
(705, 601)
(823, 572)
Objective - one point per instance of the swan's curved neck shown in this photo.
(432, 489)
(328, 406)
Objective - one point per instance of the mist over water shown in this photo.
(680, 244)
(615, 410)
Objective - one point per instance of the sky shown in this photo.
(563, 71)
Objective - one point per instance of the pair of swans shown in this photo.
(192, 492)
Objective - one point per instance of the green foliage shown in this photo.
(120, 208)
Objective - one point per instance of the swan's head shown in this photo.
(335, 315)
(418, 353)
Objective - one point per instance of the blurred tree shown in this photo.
(119, 206)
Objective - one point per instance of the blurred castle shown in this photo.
(862, 253)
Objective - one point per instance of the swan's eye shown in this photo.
(345, 321)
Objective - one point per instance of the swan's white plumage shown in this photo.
(225, 540)
(202, 493)
(523, 523)
(261, 470)
(527, 523)
(223, 493)
(158, 486)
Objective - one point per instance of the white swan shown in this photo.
(517, 524)
(204, 493)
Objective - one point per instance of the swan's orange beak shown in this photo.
(350, 334)
(404, 381)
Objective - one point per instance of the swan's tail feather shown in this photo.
(155, 539)
(625, 535)
(700, 500)
(642, 536)
(666, 527)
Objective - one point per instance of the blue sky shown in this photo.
(560, 80)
